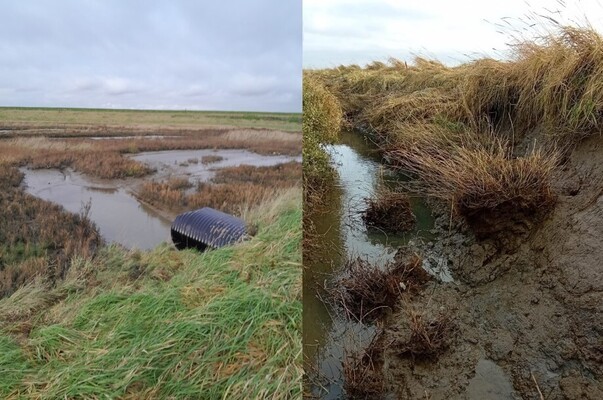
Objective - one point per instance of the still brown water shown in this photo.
(343, 235)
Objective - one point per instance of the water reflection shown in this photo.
(342, 234)
(118, 215)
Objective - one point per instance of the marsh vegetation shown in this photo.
(83, 318)
(501, 150)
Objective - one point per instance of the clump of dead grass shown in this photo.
(363, 378)
(390, 211)
(367, 292)
(178, 183)
(428, 337)
(482, 180)
(210, 159)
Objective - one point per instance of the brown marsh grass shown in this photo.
(428, 336)
(389, 211)
(107, 158)
(211, 159)
(38, 239)
(231, 190)
(482, 179)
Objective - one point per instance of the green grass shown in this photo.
(45, 116)
(321, 125)
(165, 324)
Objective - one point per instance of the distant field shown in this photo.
(147, 118)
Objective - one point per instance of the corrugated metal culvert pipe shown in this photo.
(205, 228)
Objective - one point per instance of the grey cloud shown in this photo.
(147, 54)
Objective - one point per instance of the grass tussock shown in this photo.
(428, 337)
(367, 292)
(363, 378)
(483, 181)
(389, 211)
(166, 323)
(211, 159)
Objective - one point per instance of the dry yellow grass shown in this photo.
(485, 135)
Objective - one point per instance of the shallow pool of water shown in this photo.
(343, 234)
(489, 382)
(188, 162)
(117, 214)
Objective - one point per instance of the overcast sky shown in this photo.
(359, 31)
(169, 54)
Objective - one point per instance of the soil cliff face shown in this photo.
(528, 306)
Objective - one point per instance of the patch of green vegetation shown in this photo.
(20, 251)
(321, 125)
(165, 324)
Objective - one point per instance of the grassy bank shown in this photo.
(483, 136)
(164, 324)
(321, 125)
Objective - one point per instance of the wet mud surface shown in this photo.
(526, 304)
(528, 307)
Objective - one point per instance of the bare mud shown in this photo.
(528, 307)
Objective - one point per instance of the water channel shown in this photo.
(328, 334)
